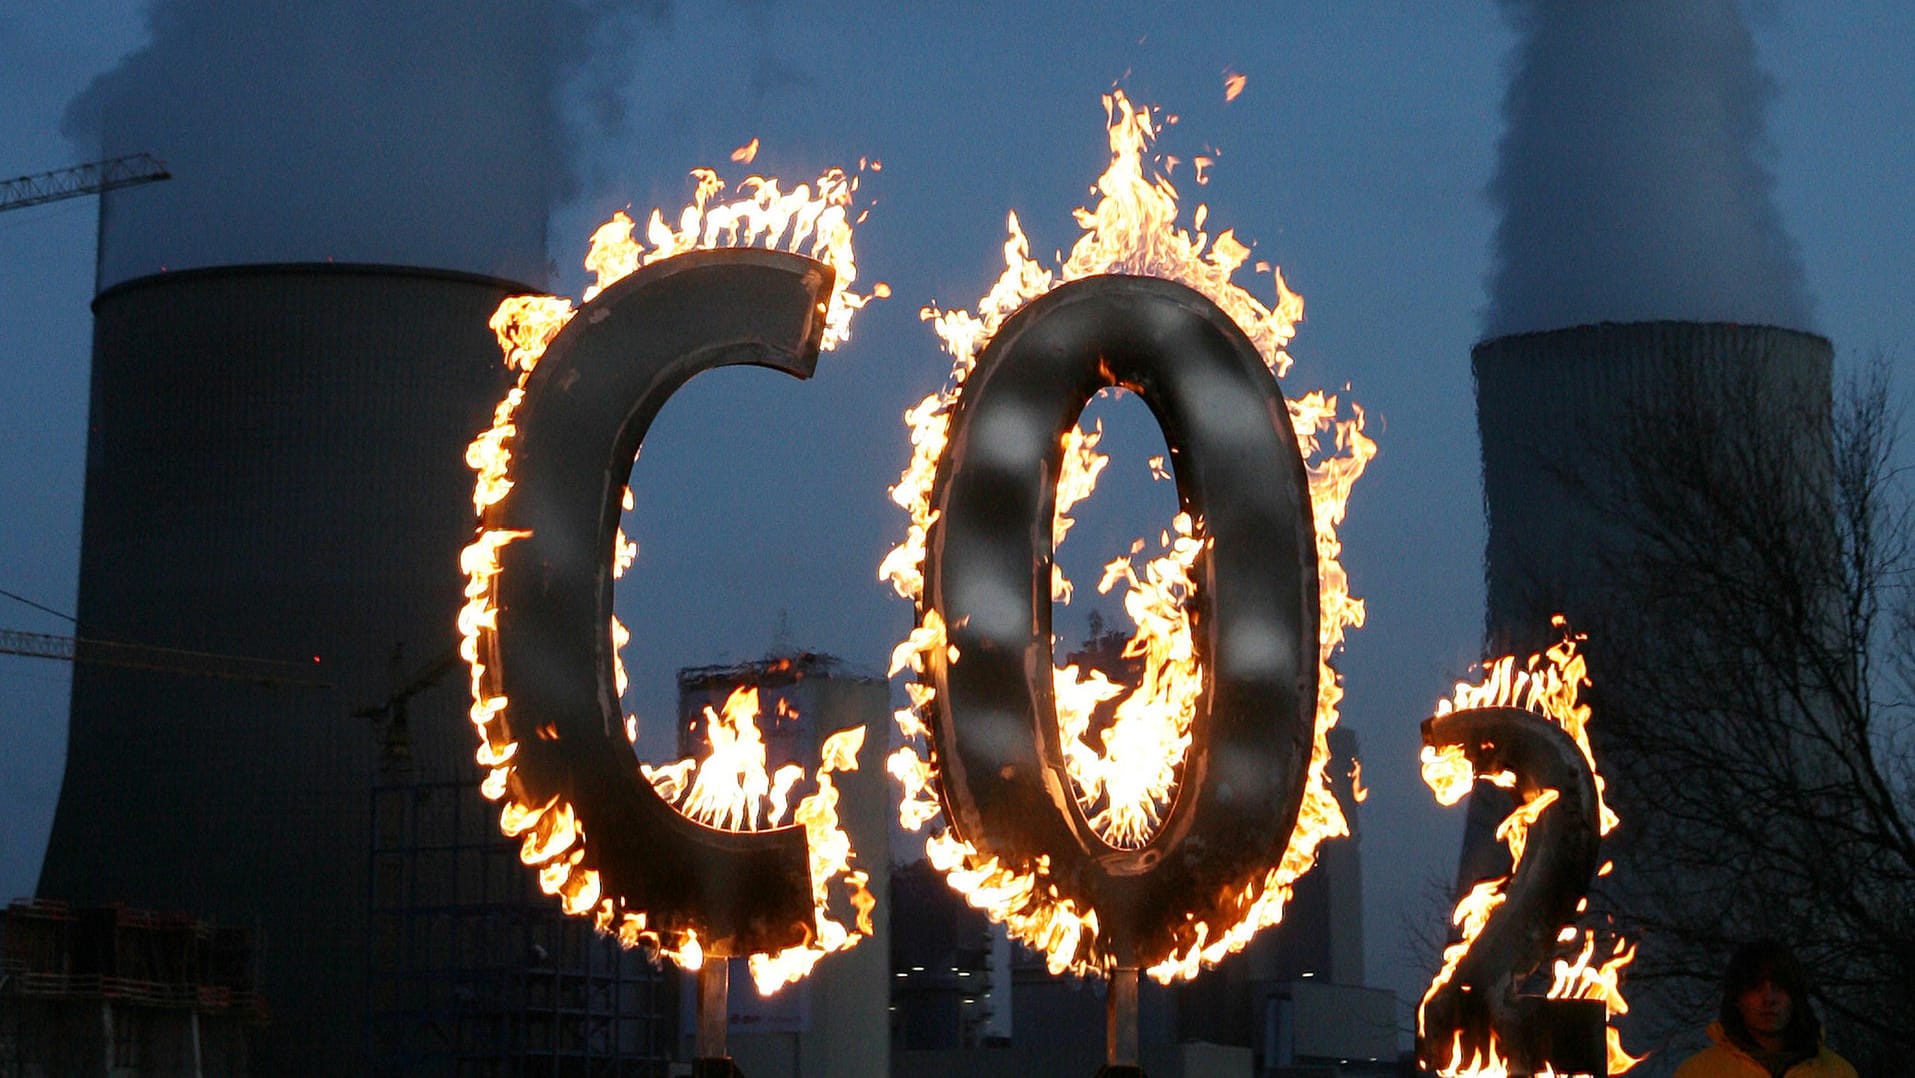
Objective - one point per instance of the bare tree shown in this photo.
(1755, 673)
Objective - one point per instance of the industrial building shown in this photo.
(474, 972)
(112, 991)
(1563, 415)
(1556, 410)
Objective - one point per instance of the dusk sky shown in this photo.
(1362, 157)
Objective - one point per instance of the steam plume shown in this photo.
(1630, 182)
(426, 133)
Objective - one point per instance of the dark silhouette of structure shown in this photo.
(112, 990)
(274, 469)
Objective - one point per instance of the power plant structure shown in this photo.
(1591, 440)
(835, 1020)
(474, 971)
(112, 990)
(275, 469)
(1561, 413)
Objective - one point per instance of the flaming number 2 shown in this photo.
(1473, 1009)
(994, 736)
(1525, 728)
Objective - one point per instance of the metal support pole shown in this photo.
(1120, 1026)
(714, 989)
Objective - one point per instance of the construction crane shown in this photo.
(398, 748)
(272, 672)
(108, 175)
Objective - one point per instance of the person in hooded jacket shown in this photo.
(1766, 1029)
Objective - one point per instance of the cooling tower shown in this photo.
(1561, 413)
(1593, 438)
(274, 470)
(1558, 411)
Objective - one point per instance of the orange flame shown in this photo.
(1075, 482)
(1548, 684)
(1133, 778)
(1485, 1064)
(1125, 785)
(814, 223)
(730, 789)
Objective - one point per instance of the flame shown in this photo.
(1137, 771)
(805, 220)
(830, 850)
(1578, 980)
(1232, 85)
(1075, 482)
(1548, 684)
(1127, 782)
(729, 788)
(1486, 1064)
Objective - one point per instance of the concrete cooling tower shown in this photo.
(1562, 413)
(1557, 411)
(1586, 435)
(274, 470)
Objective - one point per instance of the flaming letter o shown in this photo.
(995, 737)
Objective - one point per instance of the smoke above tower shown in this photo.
(428, 133)
(1630, 182)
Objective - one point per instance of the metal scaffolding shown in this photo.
(475, 974)
(115, 990)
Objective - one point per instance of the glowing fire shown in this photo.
(1125, 789)
(1485, 1064)
(1550, 685)
(728, 789)
(1126, 784)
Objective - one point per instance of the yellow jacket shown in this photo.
(1726, 1060)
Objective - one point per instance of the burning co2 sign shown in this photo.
(1006, 780)
(1524, 729)
(1163, 841)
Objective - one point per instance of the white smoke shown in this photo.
(1631, 181)
(425, 133)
